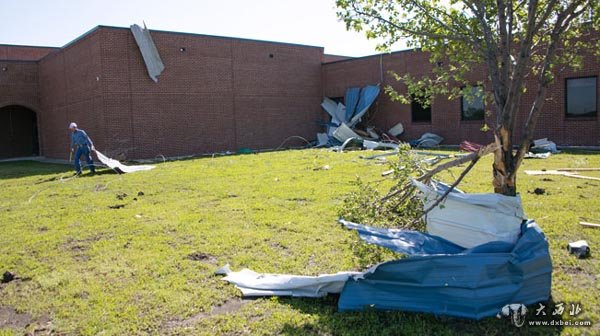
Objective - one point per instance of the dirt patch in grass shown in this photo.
(228, 307)
(10, 318)
(201, 256)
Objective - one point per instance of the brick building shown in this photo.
(219, 94)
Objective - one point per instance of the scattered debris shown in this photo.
(396, 131)
(467, 146)
(8, 277)
(154, 64)
(539, 191)
(427, 140)
(121, 196)
(140, 193)
(588, 224)
(543, 146)
(325, 167)
(565, 172)
(531, 155)
(387, 172)
(100, 187)
(116, 206)
(579, 248)
(346, 117)
(119, 167)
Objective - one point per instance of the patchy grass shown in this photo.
(135, 254)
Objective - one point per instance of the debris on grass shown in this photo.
(538, 191)
(568, 172)
(579, 248)
(588, 224)
(8, 277)
(116, 206)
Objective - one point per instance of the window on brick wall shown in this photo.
(581, 97)
(472, 107)
(419, 112)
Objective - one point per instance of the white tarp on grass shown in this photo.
(263, 284)
(119, 167)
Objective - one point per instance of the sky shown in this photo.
(57, 22)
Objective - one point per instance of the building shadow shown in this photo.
(18, 169)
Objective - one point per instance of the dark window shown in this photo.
(581, 97)
(419, 112)
(472, 107)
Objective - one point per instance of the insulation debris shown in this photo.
(119, 167)
(154, 64)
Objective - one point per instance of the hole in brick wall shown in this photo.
(271, 56)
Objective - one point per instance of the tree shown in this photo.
(514, 39)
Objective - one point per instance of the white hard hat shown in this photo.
(72, 125)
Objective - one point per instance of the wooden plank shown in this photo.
(588, 224)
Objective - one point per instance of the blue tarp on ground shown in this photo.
(472, 283)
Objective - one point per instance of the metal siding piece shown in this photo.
(474, 283)
(154, 64)
(368, 94)
(351, 99)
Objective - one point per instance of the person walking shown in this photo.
(81, 145)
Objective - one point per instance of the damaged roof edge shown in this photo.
(374, 55)
(216, 36)
(98, 27)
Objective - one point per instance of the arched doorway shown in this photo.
(18, 132)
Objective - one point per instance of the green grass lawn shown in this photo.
(135, 254)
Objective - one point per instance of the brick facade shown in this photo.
(446, 114)
(219, 94)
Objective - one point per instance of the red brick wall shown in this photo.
(70, 91)
(19, 84)
(24, 53)
(446, 119)
(219, 94)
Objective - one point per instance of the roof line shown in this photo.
(216, 36)
(26, 46)
(375, 55)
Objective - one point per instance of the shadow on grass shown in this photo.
(372, 322)
(18, 169)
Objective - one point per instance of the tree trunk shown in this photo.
(504, 170)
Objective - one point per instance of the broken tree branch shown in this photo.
(471, 157)
(440, 199)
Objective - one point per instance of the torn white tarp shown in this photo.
(262, 284)
(118, 166)
(469, 220)
(154, 64)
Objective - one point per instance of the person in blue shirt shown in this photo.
(81, 145)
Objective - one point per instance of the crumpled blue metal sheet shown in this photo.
(368, 94)
(474, 283)
(351, 100)
(403, 241)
